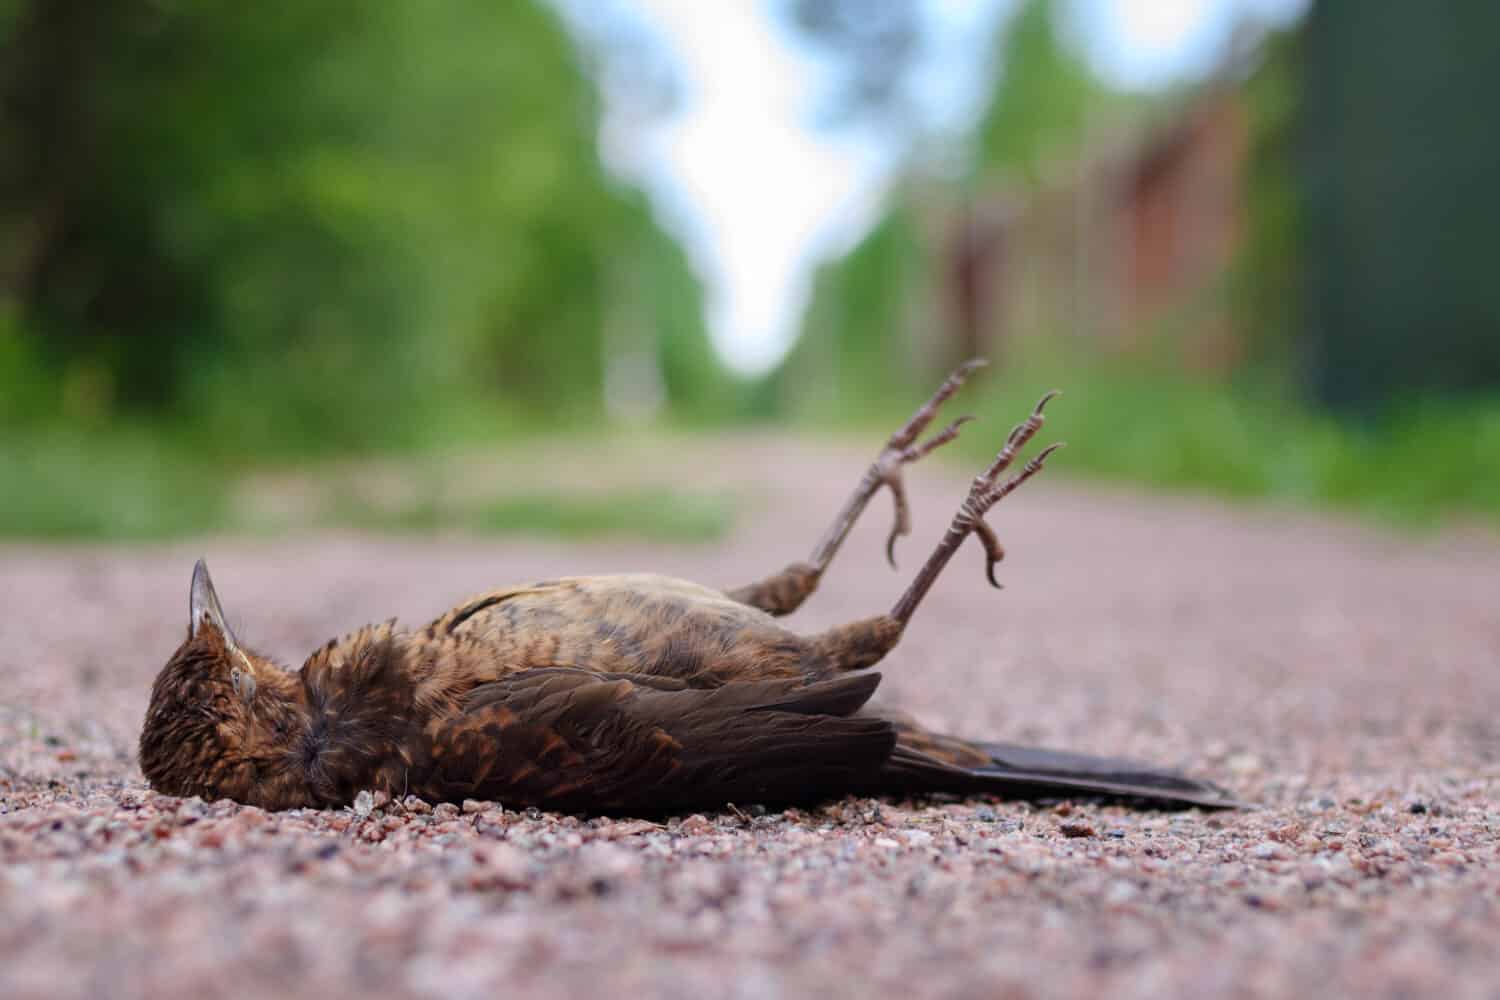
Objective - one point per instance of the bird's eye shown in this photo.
(243, 683)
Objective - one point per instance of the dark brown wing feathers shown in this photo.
(575, 739)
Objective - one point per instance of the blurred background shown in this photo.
(544, 266)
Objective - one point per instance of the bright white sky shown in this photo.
(759, 195)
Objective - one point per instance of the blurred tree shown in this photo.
(859, 326)
(857, 351)
(307, 222)
(1266, 275)
(1400, 160)
(875, 45)
(1042, 103)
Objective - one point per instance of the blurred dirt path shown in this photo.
(1345, 678)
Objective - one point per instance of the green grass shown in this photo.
(1425, 462)
(650, 515)
(132, 485)
(126, 485)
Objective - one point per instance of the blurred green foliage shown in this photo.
(289, 227)
(233, 234)
(1045, 100)
(867, 341)
(1142, 415)
(1144, 422)
(854, 354)
(1265, 280)
(66, 482)
(863, 344)
(1399, 156)
(655, 515)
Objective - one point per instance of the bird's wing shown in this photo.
(575, 739)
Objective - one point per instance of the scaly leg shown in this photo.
(985, 492)
(1019, 435)
(784, 592)
(863, 643)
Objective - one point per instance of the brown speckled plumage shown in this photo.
(616, 693)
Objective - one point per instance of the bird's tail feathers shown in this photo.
(924, 761)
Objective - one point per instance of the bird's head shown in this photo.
(224, 722)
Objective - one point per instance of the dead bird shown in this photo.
(632, 693)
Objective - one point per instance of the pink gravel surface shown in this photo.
(1344, 678)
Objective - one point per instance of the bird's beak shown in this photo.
(203, 606)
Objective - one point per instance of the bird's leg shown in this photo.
(863, 643)
(986, 491)
(901, 449)
(782, 593)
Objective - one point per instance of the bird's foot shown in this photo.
(986, 490)
(903, 449)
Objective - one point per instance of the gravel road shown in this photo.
(1344, 678)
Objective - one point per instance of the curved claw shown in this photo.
(935, 442)
(958, 376)
(984, 493)
(919, 420)
(1042, 455)
(902, 449)
(903, 519)
(993, 552)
